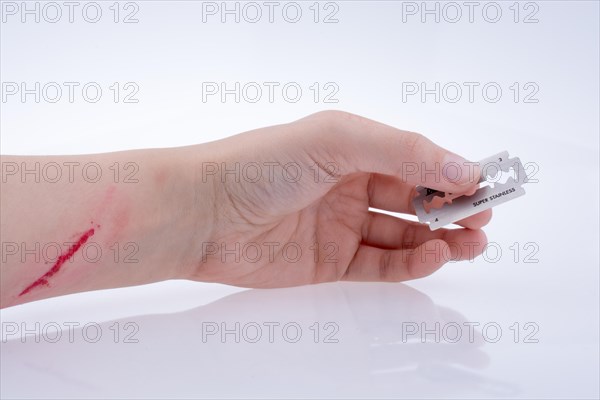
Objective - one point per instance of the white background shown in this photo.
(367, 54)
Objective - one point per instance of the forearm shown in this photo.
(79, 223)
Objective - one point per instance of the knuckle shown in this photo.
(385, 266)
(409, 236)
(334, 119)
(413, 142)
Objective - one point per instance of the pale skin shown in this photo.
(280, 206)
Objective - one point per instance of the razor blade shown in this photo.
(501, 180)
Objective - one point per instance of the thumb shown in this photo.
(363, 145)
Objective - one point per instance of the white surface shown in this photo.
(368, 54)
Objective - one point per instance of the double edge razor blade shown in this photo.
(501, 180)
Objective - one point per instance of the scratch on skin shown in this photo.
(43, 280)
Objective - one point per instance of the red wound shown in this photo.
(43, 280)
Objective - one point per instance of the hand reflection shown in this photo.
(341, 339)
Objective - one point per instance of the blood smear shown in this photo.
(43, 280)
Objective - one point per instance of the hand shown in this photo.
(291, 204)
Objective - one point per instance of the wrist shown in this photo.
(187, 204)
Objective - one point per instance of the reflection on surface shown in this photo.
(332, 340)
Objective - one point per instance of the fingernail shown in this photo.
(459, 171)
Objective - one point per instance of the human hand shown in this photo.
(291, 204)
